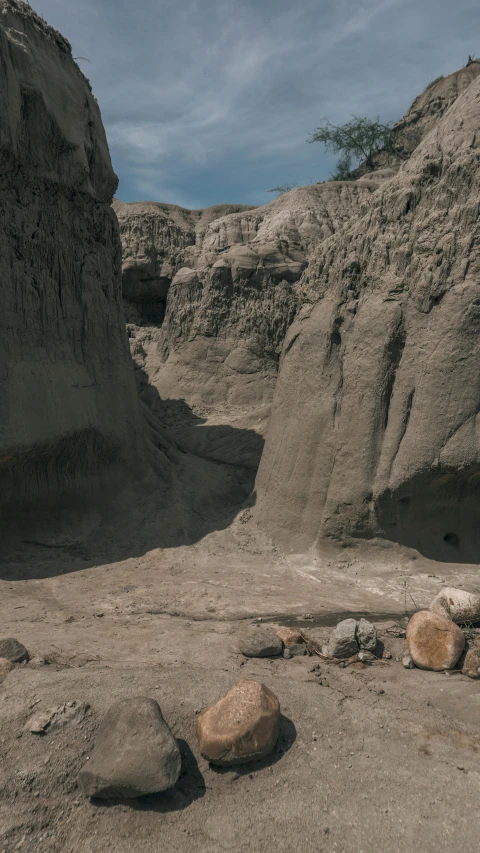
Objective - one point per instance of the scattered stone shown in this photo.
(343, 641)
(241, 727)
(6, 666)
(13, 650)
(260, 643)
(458, 604)
(290, 636)
(135, 753)
(434, 641)
(44, 721)
(407, 662)
(365, 656)
(367, 635)
(471, 663)
(387, 655)
(38, 660)
(287, 654)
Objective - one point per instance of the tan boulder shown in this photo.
(458, 604)
(241, 727)
(289, 636)
(5, 667)
(471, 663)
(434, 641)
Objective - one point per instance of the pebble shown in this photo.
(407, 662)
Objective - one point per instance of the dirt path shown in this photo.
(370, 759)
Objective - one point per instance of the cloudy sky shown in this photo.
(211, 101)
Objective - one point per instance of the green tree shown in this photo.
(359, 139)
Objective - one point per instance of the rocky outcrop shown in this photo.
(233, 294)
(375, 429)
(69, 422)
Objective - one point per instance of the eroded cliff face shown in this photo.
(375, 429)
(69, 417)
(231, 289)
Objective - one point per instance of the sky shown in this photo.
(211, 101)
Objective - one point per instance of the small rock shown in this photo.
(471, 663)
(367, 635)
(365, 656)
(297, 649)
(407, 662)
(13, 651)
(387, 656)
(241, 727)
(287, 654)
(38, 660)
(434, 641)
(45, 721)
(6, 666)
(343, 641)
(135, 753)
(458, 604)
(260, 643)
(290, 636)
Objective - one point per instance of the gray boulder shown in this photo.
(13, 650)
(135, 753)
(343, 640)
(367, 635)
(260, 643)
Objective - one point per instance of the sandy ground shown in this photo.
(374, 758)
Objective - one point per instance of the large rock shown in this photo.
(471, 664)
(434, 641)
(13, 650)
(260, 643)
(241, 727)
(70, 428)
(135, 753)
(343, 639)
(458, 604)
(367, 635)
(375, 426)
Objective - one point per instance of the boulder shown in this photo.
(289, 636)
(241, 727)
(13, 650)
(458, 604)
(471, 663)
(434, 641)
(367, 635)
(135, 753)
(6, 666)
(343, 639)
(260, 643)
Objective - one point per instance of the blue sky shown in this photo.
(211, 101)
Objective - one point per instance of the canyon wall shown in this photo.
(70, 427)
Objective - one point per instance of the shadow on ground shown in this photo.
(201, 477)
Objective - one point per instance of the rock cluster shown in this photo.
(350, 636)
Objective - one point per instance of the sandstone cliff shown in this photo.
(69, 416)
(375, 429)
(230, 288)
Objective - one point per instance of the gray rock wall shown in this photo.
(69, 417)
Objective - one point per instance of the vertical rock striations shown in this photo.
(69, 421)
(375, 430)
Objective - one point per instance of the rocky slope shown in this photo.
(69, 416)
(375, 431)
(230, 288)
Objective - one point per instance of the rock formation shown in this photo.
(69, 416)
(375, 429)
(228, 284)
